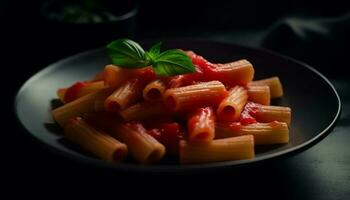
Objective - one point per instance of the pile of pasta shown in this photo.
(216, 114)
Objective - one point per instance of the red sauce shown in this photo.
(72, 91)
(248, 113)
(203, 70)
(155, 133)
(166, 132)
(193, 78)
(235, 126)
(247, 120)
(199, 115)
(145, 75)
(175, 81)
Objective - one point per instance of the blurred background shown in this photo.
(37, 33)
(316, 32)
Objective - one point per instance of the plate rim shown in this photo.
(179, 168)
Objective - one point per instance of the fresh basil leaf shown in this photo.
(127, 53)
(172, 62)
(153, 52)
(155, 49)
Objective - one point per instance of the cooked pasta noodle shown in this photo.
(215, 113)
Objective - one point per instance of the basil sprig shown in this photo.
(129, 54)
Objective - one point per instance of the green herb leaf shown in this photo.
(155, 49)
(153, 52)
(127, 53)
(173, 62)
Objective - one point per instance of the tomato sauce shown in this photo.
(72, 91)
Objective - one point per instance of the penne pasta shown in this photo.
(154, 90)
(259, 94)
(264, 133)
(79, 106)
(234, 148)
(100, 144)
(231, 107)
(124, 96)
(274, 84)
(201, 125)
(192, 96)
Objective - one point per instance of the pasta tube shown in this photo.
(240, 72)
(234, 148)
(274, 84)
(272, 113)
(79, 106)
(192, 96)
(127, 94)
(201, 125)
(264, 133)
(231, 107)
(259, 94)
(96, 142)
(143, 147)
(154, 90)
(143, 110)
(91, 87)
(114, 76)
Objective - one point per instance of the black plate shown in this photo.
(314, 101)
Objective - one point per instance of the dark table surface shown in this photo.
(321, 172)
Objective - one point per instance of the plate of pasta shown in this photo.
(197, 104)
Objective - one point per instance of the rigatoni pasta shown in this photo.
(79, 106)
(239, 72)
(154, 90)
(231, 107)
(125, 95)
(101, 144)
(144, 110)
(201, 125)
(264, 133)
(233, 148)
(259, 94)
(114, 76)
(197, 95)
(273, 113)
(91, 87)
(217, 113)
(274, 84)
(142, 146)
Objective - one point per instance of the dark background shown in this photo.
(314, 32)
